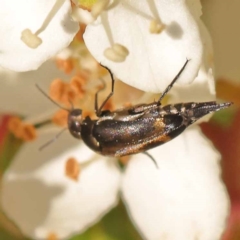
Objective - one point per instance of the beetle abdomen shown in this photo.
(121, 138)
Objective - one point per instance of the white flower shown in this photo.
(18, 93)
(183, 199)
(43, 201)
(154, 59)
(33, 31)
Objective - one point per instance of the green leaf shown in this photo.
(10, 147)
(115, 225)
(224, 117)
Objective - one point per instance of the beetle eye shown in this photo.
(74, 122)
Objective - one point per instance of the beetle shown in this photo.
(138, 128)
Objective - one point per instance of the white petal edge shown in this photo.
(19, 95)
(185, 198)
(20, 15)
(154, 59)
(202, 89)
(41, 200)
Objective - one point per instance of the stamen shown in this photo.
(29, 132)
(82, 16)
(21, 130)
(62, 92)
(99, 7)
(65, 65)
(72, 169)
(60, 118)
(52, 236)
(153, 9)
(136, 11)
(113, 4)
(77, 83)
(57, 89)
(106, 25)
(117, 53)
(15, 126)
(31, 39)
(39, 118)
(156, 26)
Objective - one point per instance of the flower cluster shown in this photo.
(63, 190)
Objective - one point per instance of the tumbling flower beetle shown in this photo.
(137, 128)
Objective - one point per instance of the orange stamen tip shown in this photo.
(60, 118)
(72, 169)
(52, 236)
(62, 92)
(57, 88)
(29, 132)
(65, 65)
(77, 83)
(14, 124)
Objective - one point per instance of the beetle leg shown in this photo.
(98, 111)
(172, 83)
(96, 96)
(151, 157)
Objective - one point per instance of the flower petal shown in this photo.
(42, 201)
(154, 59)
(202, 89)
(19, 95)
(184, 198)
(57, 32)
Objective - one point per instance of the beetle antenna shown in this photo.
(52, 140)
(151, 157)
(51, 99)
(72, 106)
(173, 81)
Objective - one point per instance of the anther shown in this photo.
(30, 39)
(65, 65)
(99, 7)
(77, 83)
(24, 131)
(52, 236)
(117, 53)
(156, 26)
(72, 169)
(62, 92)
(29, 132)
(60, 118)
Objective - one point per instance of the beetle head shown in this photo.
(74, 122)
